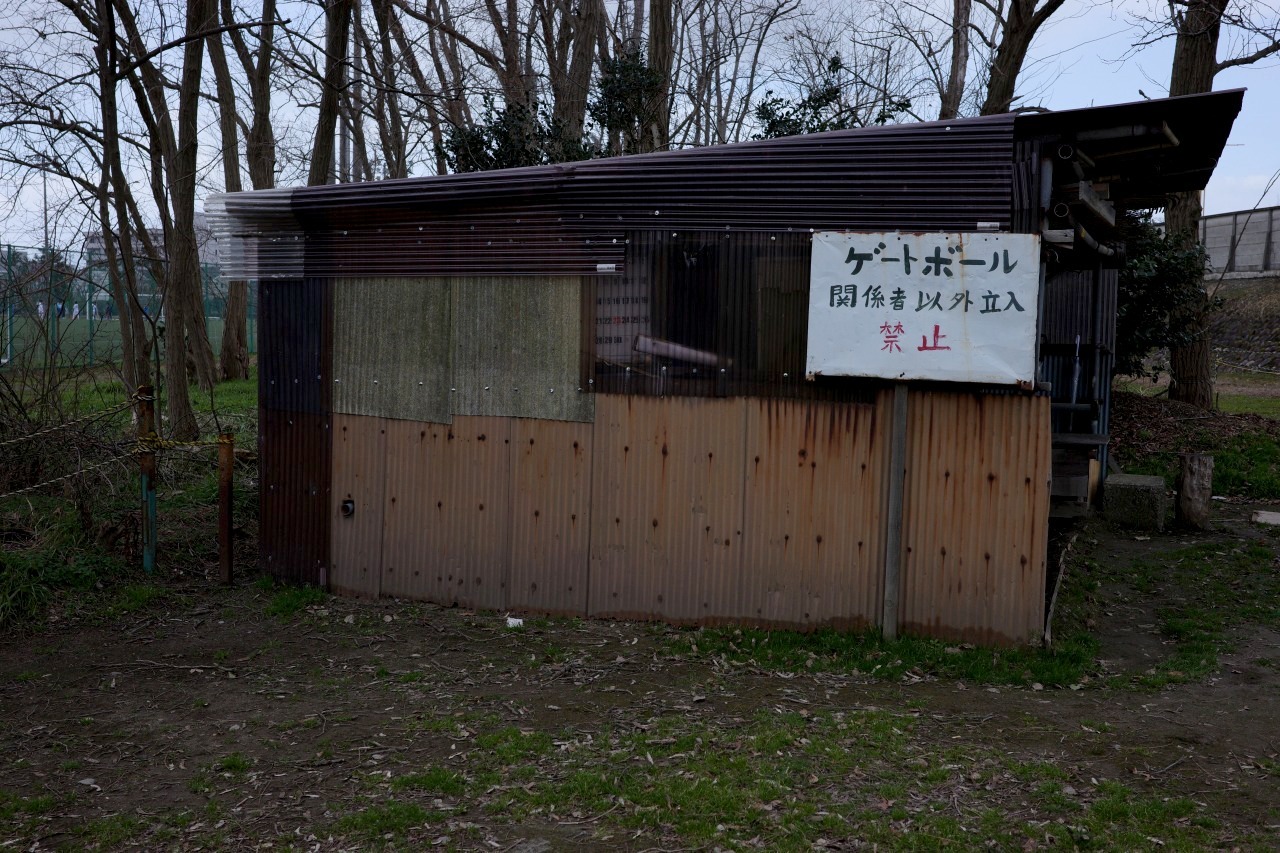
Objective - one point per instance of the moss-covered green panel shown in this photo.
(391, 348)
(517, 348)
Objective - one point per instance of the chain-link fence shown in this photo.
(58, 306)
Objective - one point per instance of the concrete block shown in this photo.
(1134, 500)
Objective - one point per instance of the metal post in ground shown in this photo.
(226, 464)
(147, 463)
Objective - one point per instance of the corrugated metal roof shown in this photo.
(569, 218)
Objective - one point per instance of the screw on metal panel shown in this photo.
(375, 382)
(453, 390)
(419, 382)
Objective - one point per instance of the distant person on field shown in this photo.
(75, 311)
(40, 309)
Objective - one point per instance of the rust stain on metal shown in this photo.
(976, 516)
(441, 543)
(813, 539)
(357, 503)
(550, 505)
(666, 531)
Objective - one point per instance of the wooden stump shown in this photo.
(1195, 490)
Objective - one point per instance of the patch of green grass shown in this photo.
(510, 745)
(133, 598)
(12, 805)
(1250, 404)
(376, 822)
(1246, 465)
(434, 780)
(31, 580)
(1207, 592)
(113, 830)
(199, 783)
(868, 653)
(287, 601)
(236, 764)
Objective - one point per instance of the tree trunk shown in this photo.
(656, 136)
(1194, 66)
(135, 365)
(337, 33)
(1195, 490)
(233, 360)
(185, 332)
(1020, 27)
(959, 60)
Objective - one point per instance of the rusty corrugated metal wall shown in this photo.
(551, 465)
(667, 498)
(359, 476)
(976, 516)
(294, 440)
(705, 511)
(293, 495)
(813, 549)
(447, 515)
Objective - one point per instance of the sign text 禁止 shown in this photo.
(948, 306)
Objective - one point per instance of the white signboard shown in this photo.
(953, 307)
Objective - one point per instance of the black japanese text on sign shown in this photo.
(969, 300)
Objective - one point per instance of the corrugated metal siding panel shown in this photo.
(550, 516)
(359, 466)
(976, 516)
(667, 502)
(295, 336)
(293, 520)
(391, 348)
(1069, 308)
(447, 516)
(518, 348)
(742, 299)
(813, 541)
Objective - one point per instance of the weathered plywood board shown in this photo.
(517, 348)
(391, 348)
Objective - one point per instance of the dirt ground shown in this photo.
(202, 721)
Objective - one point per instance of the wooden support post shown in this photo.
(147, 464)
(893, 524)
(226, 465)
(1195, 490)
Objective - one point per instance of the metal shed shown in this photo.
(580, 389)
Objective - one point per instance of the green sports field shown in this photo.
(78, 342)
